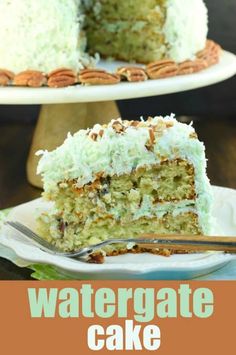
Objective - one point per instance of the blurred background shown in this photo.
(212, 109)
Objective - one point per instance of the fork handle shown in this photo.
(177, 243)
(190, 242)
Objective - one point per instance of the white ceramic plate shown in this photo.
(219, 72)
(130, 266)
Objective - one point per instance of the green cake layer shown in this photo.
(157, 199)
(76, 235)
(148, 10)
(145, 42)
(146, 30)
(147, 191)
(109, 22)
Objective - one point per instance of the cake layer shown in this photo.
(148, 10)
(73, 236)
(152, 199)
(139, 41)
(148, 191)
(146, 31)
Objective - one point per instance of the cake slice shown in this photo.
(123, 180)
(146, 30)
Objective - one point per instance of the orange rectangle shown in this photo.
(187, 329)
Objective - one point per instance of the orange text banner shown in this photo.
(100, 317)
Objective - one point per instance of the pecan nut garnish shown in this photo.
(134, 123)
(152, 139)
(132, 74)
(211, 53)
(6, 77)
(62, 77)
(97, 77)
(118, 126)
(192, 66)
(151, 135)
(31, 78)
(161, 126)
(96, 258)
(101, 133)
(94, 136)
(162, 69)
(193, 135)
(169, 124)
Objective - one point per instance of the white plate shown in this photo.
(219, 72)
(130, 266)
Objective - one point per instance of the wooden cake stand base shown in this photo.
(56, 120)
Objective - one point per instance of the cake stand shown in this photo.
(72, 108)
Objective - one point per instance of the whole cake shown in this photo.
(47, 35)
(125, 179)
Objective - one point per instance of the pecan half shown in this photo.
(97, 77)
(211, 53)
(32, 78)
(162, 69)
(6, 77)
(132, 74)
(118, 127)
(192, 66)
(62, 77)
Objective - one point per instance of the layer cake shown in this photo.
(123, 180)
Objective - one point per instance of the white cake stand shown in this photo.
(70, 109)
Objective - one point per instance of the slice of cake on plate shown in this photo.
(123, 180)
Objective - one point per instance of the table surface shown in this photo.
(219, 135)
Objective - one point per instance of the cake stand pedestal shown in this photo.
(73, 108)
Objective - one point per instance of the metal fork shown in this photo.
(86, 251)
(177, 242)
